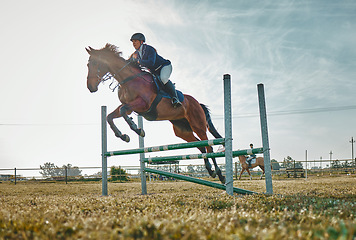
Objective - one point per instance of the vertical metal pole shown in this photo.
(66, 174)
(228, 135)
(331, 154)
(104, 162)
(352, 141)
(306, 164)
(235, 170)
(142, 157)
(265, 142)
(15, 176)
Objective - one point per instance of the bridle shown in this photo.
(107, 76)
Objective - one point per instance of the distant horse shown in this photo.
(138, 93)
(259, 163)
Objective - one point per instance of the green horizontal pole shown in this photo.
(203, 155)
(197, 180)
(204, 143)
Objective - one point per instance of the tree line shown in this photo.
(50, 170)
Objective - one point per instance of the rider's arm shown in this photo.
(149, 57)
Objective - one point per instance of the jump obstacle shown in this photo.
(227, 141)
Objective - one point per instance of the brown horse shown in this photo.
(138, 93)
(244, 165)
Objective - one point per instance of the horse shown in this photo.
(259, 163)
(138, 93)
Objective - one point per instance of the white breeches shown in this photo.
(166, 73)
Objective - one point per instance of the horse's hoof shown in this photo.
(125, 138)
(142, 133)
(213, 174)
(222, 179)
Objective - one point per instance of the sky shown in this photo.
(302, 51)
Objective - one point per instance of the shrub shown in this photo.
(118, 174)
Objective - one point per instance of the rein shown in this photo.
(132, 77)
(108, 76)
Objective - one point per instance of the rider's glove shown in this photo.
(134, 60)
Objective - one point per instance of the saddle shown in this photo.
(151, 113)
(160, 88)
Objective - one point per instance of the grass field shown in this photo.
(319, 208)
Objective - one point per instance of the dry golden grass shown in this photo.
(319, 208)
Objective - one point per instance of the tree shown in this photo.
(165, 168)
(336, 164)
(346, 164)
(117, 173)
(201, 169)
(72, 171)
(289, 163)
(275, 164)
(190, 169)
(50, 170)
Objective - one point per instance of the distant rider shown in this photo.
(147, 56)
(251, 157)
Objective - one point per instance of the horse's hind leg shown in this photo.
(263, 171)
(200, 130)
(110, 119)
(198, 121)
(183, 131)
(202, 135)
(217, 169)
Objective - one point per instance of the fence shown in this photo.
(315, 167)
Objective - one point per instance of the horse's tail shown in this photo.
(211, 127)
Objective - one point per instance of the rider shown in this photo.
(147, 56)
(251, 157)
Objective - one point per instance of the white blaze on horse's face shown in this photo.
(92, 78)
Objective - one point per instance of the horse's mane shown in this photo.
(112, 49)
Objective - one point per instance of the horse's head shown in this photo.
(97, 68)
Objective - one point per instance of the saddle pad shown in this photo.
(160, 89)
(165, 95)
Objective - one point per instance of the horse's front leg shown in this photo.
(249, 173)
(110, 119)
(242, 170)
(124, 111)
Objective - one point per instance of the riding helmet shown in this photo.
(138, 36)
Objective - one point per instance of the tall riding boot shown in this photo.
(171, 90)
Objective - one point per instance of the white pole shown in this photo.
(142, 157)
(104, 162)
(228, 135)
(265, 142)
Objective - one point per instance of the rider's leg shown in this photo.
(168, 85)
(248, 160)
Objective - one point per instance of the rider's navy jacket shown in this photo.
(151, 60)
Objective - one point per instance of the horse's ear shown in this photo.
(88, 49)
